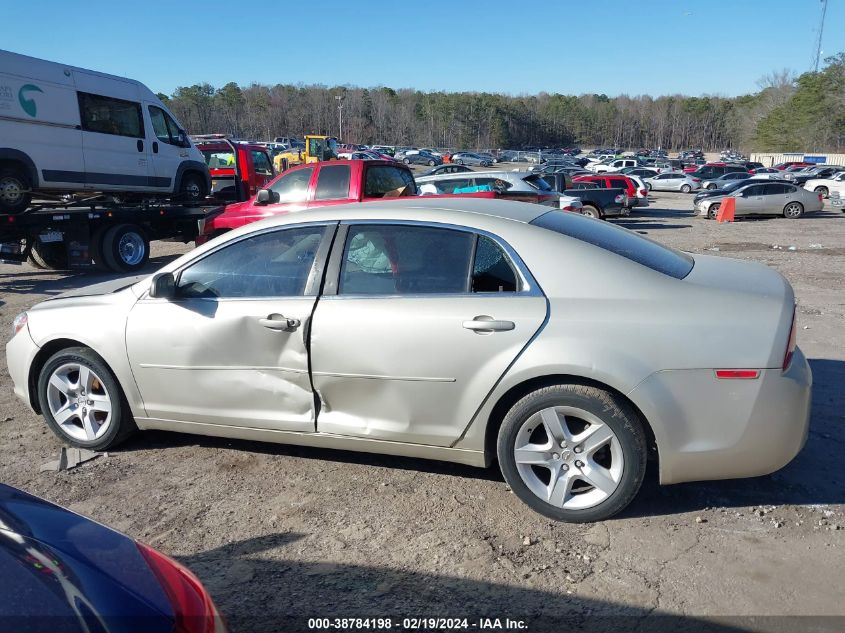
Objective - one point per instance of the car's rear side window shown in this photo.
(385, 181)
(620, 241)
(333, 182)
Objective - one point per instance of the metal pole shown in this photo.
(339, 116)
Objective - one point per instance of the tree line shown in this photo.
(787, 113)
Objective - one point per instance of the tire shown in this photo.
(51, 256)
(793, 210)
(95, 247)
(125, 248)
(115, 425)
(648, 186)
(685, 188)
(711, 187)
(406, 161)
(713, 211)
(592, 211)
(823, 191)
(431, 163)
(619, 461)
(15, 191)
(460, 161)
(192, 188)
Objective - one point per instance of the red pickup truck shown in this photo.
(237, 169)
(318, 185)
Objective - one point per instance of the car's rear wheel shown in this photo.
(713, 211)
(711, 186)
(591, 211)
(573, 452)
(15, 191)
(823, 191)
(82, 401)
(460, 161)
(793, 210)
(407, 161)
(431, 163)
(685, 188)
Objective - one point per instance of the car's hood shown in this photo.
(102, 288)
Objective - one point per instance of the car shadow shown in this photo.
(815, 477)
(27, 280)
(257, 589)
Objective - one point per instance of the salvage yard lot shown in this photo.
(299, 532)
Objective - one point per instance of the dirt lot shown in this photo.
(279, 534)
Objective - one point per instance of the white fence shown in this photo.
(819, 157)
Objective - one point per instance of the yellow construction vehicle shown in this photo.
(316, 148)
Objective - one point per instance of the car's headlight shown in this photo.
(19, 323)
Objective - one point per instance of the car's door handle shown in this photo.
(280, 322)
(484, 324)
(155, 147)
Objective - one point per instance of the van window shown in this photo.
(164, 127)
(106, 115)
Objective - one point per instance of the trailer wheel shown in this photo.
(52, 256)
(95, 247)
(125, 248)
(15, 191)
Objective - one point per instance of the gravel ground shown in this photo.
(280, 534)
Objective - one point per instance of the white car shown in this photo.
(511, 182)
(825, 186)
(642, 190)
(615, 165)
(67, 130)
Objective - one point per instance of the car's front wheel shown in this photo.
(573, 452)
(823, 191)
(711, 186)
(82, 401)
(713, 211)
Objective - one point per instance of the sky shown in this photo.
(634, 47)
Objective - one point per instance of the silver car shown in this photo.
(468, 330)
(673, 181)
(724, 179)
(764, 198)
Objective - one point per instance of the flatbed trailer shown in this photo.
(97, 235)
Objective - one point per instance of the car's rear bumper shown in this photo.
(20, 352)
(708, 428)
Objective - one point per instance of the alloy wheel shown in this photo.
(568, 457)
(79, 402)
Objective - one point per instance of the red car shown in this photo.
(614, 181)
(237, 169)
(795, 163)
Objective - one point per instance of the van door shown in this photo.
(166, 152)
(113, 143)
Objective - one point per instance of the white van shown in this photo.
(69, 130)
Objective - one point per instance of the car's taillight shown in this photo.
(790, 345)
(696, 179)
(643, 192)
(193, 608)
(569, 207)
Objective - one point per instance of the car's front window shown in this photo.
(292, 186)
(274, 264)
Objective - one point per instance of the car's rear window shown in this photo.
(620, 241)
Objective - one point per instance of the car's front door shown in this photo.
(416, 325)
(166, 151)
(749, 201)
(231, 347)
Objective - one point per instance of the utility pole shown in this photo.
(819, 40)
(339, 99)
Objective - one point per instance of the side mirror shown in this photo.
(183, 139)
(264, 196)
(163, 286)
